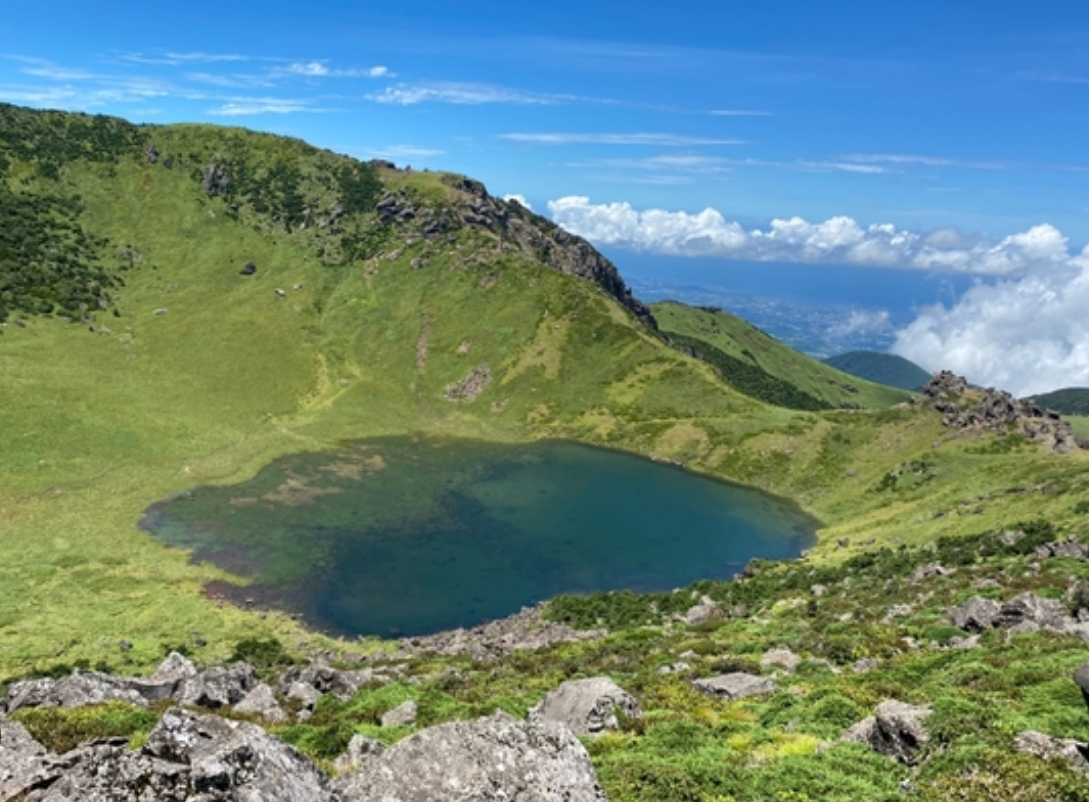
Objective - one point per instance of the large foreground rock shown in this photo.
(107, 771)
(896, 730)
(235, 759)
(77, 690)
(487, 760)
(587, 706)
(737, 685)
(24, 763)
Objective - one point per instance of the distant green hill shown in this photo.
(762, 367)
(1068, 401)
(888, 369)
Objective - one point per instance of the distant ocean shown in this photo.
(821, 310)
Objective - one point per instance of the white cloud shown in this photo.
(740, 113)
(252, 106)
(862, 322)
(840, 240)
(519, 199)
(174, 59)
(318, 69)
(659, 140)
(394, 152)
(463, 94)
(1029, 335)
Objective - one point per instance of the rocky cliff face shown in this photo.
(518, 230)
(996, 411)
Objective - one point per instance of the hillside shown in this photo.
(209, 299)
(1068, 401)
(760, 366)
(887, 369)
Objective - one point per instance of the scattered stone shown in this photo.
(864, 665)
(1063, 548)
(280, 293)
(1074, 753)
(262, 702)
(899, 611)
(152, 153)
(896, 729)
(404, 715)
(843, 542)
(1028, 612)
(306, 695)
(359, 749)
(975, 615)
(929, 570)
(737, 685)
(674, 668)
(781, 658)
(160, 311)
(248, 269)
(124, 645)
(587, 706)
(957, 642)
(326, 679)
(215, 179)
(471, 386)
(702, 612)
(818, 590)
(494, 758)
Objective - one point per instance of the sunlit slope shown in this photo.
(762, 366)
(372, 324)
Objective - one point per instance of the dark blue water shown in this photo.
(405, 536)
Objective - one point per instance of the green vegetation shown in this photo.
(887, 369)
(759, 365)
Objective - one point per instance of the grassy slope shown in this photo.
(101, 425)
(888, 369)
(741, 340)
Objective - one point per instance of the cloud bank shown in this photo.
(1023, 326)
(838, 240)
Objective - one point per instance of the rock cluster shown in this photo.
(192, 756)
(737, 685)
(997, 411)
(1025, 612)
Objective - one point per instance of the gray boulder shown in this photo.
(487, 760)
(587, 706)
(261, 702)
(896, 730)
(1074, 753)
(1081, 679)
(326, 679)
(404, 715)
(1028, 612)
(305, 696)
(360, 748)
(781, 658)
(174, 668)
(929, 570)
(234, 760)
(702, 612)
(76, 690)
(975, 615)
(223, 686)
(24, 763)
(737, 685)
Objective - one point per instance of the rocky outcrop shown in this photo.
(896, 729)
(471, 386)
(737, 685)
(1025, 612)
(261, 702)
(587, 706)
(215, 179)
(996, 411)
(518, 230)
(77, 690)
(360, 748)
(525, 630)
(494, 758)
(221, 686)
(704, 611)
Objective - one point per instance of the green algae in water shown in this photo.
(403, 536)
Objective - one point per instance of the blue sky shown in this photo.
(941, 138)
